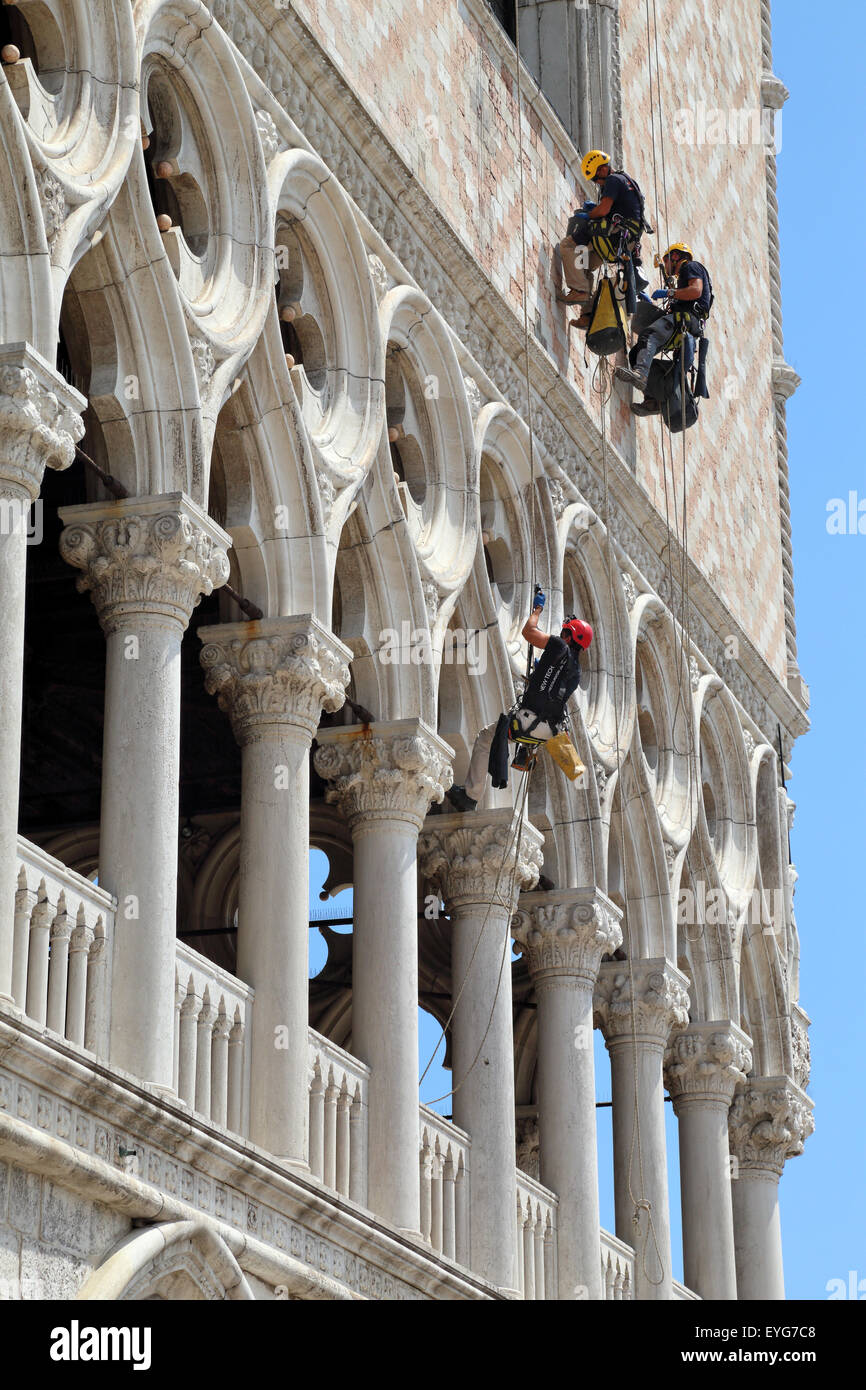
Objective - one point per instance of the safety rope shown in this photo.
(518, 820)
(640, 1203)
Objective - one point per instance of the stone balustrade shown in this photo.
(338, 1119)
(617, 1268)
(212, 1021)
(535, 1272)
(444, 1186)
(687, 1295)
(63, 930)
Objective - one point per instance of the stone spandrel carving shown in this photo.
(38, 430)
(802, 1053)
(159, 559)
(654, 991)
(706, 1062)
(384, 776)
(483, 860)
(528, 1160)
(769, 1123)
(287, 673)
(560, 938)
(379, 275)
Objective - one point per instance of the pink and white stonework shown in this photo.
(308, 384)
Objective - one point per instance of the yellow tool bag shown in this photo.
(607, 330)
(564, 754)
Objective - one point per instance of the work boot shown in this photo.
(460, 801)
(583, 322)
(632, 378)
(646, 407)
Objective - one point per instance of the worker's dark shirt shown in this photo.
(693, 270)
(625, 201)
(554, 679)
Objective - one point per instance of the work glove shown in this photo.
(589, 207)
(661, 294)
(539, 600)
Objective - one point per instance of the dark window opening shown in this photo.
(506, 12)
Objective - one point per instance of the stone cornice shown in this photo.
(473, 859)
(145, 557)
(274, 673)
(706, 1062)
(486, 328)
(652, 993)
(40, 420)
(383, 772)
(774, 93)
(785, 379)
(567, 932)
(769, 1121)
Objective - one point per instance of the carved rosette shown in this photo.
(653, 991)
(769, 1122)
(706, 1063)
(287, 673)
(38, 430)
(480, 859)
(384, 772)
(157, 558)
(567, 935)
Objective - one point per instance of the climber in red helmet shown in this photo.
(540, 713)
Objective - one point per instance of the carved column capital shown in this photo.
(705, 1063)
(40, 421)
(566, 933)
(481, 858)
(145, 556)
(383, 772)
(770, 1120)
(275, 672)
(645, 1000)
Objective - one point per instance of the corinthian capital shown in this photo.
(379, 772)
(706, 1062)
(285, 672)
(40, 420)
(770, 1120)
(145, 556)
(481, 858)
(642, 999)
(567, 932)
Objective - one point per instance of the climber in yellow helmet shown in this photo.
(687, 297)
(602, 231)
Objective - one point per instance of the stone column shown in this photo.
(563, 937)
(480, 863)
(638, 1005)
(39, 425)
(770, 1120)
(384, 777)
(273, 678)
(146, 562)
(702, 1067)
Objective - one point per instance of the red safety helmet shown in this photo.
(579, 632)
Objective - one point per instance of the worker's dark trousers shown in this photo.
(661, 332)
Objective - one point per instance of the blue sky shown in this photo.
(822, 198)
(818, 56)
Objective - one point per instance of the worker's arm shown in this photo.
(530, 630)
(693, 290)
(602, 208)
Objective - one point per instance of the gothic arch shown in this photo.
(184, 1260)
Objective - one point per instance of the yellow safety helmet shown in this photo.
(592, 162)
(679, 246)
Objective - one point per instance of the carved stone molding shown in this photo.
(40, 421)
(706, 1062)
(379, 275)
(384, 772)
(284, 671)
(801, 1050)
(528, 1147)
(769, 1122)
(657, 1007)
(567, 933)
(148, 556)
(481, 858)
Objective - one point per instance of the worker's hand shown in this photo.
(539, 601)
(661, 294)
(589, 207)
